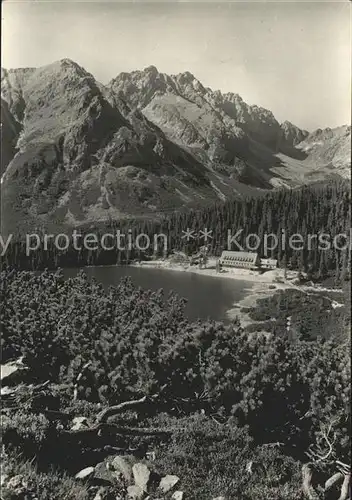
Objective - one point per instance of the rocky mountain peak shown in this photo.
(76, 148)
(152, 89)
(152, 71)
(82, 150)
(63, 69)
(263, 111)
(320, 136)
(287, 125)
(187, 82)
(66, 62)
(290, 135)
(184, 77)
(139, 87)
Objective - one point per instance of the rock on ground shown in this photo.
(11, 371)
(178, 495)
(134, 492)
(123, 466)
(168, 482)
(79, 423)
(85, 473)
(141, 475)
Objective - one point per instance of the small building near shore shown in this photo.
(268, 263)
(246, 260)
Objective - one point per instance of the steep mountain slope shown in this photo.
(10, 130)
(144, 88)
(331, 148)
(179, 106)
(84, 155)
(12, 84)
(325, 154)
(225, 133)
(212, 127)
(74, 150)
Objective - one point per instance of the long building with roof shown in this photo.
(246, 260)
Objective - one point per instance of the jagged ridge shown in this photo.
(76, 150)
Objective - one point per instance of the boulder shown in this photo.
(12, 372)
(3, 478)
(134, 492)
(5, 391)
(178, 495)
(103, 472)
(86, 473)
(168, 482)
(141, 475)
(122, 466)
(249, 467)
(100, 495)
(79, 423)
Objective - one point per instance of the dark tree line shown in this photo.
(309, 212)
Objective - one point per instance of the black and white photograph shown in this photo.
(175, 243)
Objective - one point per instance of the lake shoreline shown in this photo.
(262, 285)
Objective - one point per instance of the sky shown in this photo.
(293, 58)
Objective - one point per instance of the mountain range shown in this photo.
(76, 151)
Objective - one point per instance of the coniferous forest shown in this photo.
(308, 212)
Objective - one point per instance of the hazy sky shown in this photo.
(291, 57)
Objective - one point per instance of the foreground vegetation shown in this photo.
(230, 414)
(314, 314)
